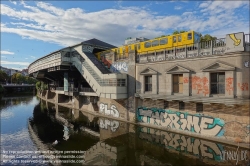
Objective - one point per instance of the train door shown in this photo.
(174, 40)
(179, 40)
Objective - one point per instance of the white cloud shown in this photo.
(7, 53)
(33, 57)
(15, 63)
(13, 2)
(49, 23)
(177, 7)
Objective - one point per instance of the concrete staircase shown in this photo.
(98, 76)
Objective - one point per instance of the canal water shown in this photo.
(35, 132)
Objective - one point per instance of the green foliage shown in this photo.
(207, 37)
(1, 89)
(178, 32)
(3, 76)
(38, 86)
(18, 78)
(41, 86)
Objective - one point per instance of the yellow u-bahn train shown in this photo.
(166, 42)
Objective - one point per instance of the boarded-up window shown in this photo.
(177, 83)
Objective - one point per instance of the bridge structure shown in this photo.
(75, 69)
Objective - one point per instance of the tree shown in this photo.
(3, 76)
(178, 32)
(207, 37)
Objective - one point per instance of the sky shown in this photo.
(33, 29)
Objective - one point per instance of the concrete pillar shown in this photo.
(131, 83)
(66, 81)
(75, 102)
(229, 84)
(154, 84)
(56, 98)
(142, 80)
(75, 113)
(186, 84)
(169, 85)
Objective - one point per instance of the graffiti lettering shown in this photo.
(119, 66)
(86, 48)
(182, 143)
(204, 53)
(200, 84)
(180, 56)
(219, 51)
(103, 108)
(183, 121)
(192, 55)
(243, 86)
(185, 80)
(229, 82)
(104, 123)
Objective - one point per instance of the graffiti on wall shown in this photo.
(119, 66)
(185, 80)
(229, 85)
(200, 84)
(103, 109)
(197, 123)
(182, 143)
(106, 124)
(243, 86)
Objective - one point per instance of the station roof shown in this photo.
(98, 43)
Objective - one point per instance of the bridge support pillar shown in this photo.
(75, 113)
(75, 102)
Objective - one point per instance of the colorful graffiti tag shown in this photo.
(182, 120)
(119, 66)
(182, 143)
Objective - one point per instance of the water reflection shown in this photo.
(15, 136)
(111, 142)
(29, 125)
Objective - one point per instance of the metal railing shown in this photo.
(59, 88)
(86, 90)
(103, 82)
(73, 89)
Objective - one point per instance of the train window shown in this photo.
(189, 36)
(155, 43)
(163, 41)
(179, 38)
(147, 44)
(174, 39)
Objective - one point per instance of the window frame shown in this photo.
(153, 43)
(217, 83)
(166, 41)
(177, 83)
(147, 83)
(199, 107)
(145, 44)
(174, 39)
(188, 36)
(181, 106)
(179, 38)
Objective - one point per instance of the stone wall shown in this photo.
(216, 120)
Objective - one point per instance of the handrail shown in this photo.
(99, 80)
